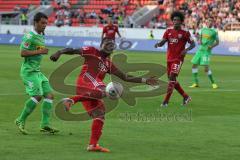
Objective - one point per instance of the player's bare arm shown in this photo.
(161, 43)
(102, 36)
(68, 51)
(26, 53)
(119, 35)
(216, 43)
(192, 45)
(129, 78)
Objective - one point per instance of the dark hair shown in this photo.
(105, 39)
(38, 16)
(178, 14)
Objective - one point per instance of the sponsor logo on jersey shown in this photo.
(26, 44)
(40, 47)
(102, 67)
(28, 36)
(173, 40)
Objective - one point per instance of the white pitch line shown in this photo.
(189, 90)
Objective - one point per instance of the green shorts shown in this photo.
(36, 84)
(202, 56)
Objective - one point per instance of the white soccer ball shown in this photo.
(114, 90)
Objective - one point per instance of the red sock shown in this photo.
(170, 89)
(180, 90)
(97, 126)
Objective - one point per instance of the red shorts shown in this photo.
(174, 67)
(94, 107)
(94, 90)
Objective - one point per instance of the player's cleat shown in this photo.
(214, 86)
(194, 85)
(186, 100)
(97, 148)
(21, 126)
(67, 102)
(48, 129)
(164, 104)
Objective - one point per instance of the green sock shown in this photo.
(30, 105)
(46, 112)
(210, 76)
(195, 75)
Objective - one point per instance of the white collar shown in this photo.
(33, 30)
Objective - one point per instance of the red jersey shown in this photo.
(177, 40)
(110, 31)
(94, 68)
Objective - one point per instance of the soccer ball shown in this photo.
(114, 90)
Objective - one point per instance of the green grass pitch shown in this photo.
(210, 131)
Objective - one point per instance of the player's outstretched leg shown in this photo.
(210, 76)
(30, 105)
(46, 113)
(195, 76)
(96, 110)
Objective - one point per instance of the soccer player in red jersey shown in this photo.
(176, 37)
(91, 88)
(110, 30)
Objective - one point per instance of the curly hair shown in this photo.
(178, 14)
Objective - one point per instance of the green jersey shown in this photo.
(208, 36)
(32, 41)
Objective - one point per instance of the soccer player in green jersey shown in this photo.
(37, 85)
(208, 40)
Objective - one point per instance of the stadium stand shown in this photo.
(95, 12)
(11, 5)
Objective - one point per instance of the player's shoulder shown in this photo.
(28, 35)
(215, 30)
(90, 50)
(185, 29)
(169, 29)
(115, 26)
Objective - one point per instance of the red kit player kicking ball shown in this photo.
(90, 87)
(176, 37)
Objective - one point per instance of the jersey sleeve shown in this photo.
(104, 29)
(165, 35)
(27, 42)
(87, 51)
(116, 29)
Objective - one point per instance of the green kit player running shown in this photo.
(208, 40)
(37, 85)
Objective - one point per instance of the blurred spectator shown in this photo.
(93, 14)
(108, 10)
(161, 24)
(59, 21)
(151, 36)
(31, 7)
(125, 2)
(17, 7)
(68, 21)
(24, 18)
(81, 16)
(160, 2)
(8, 31)
(44, 2)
